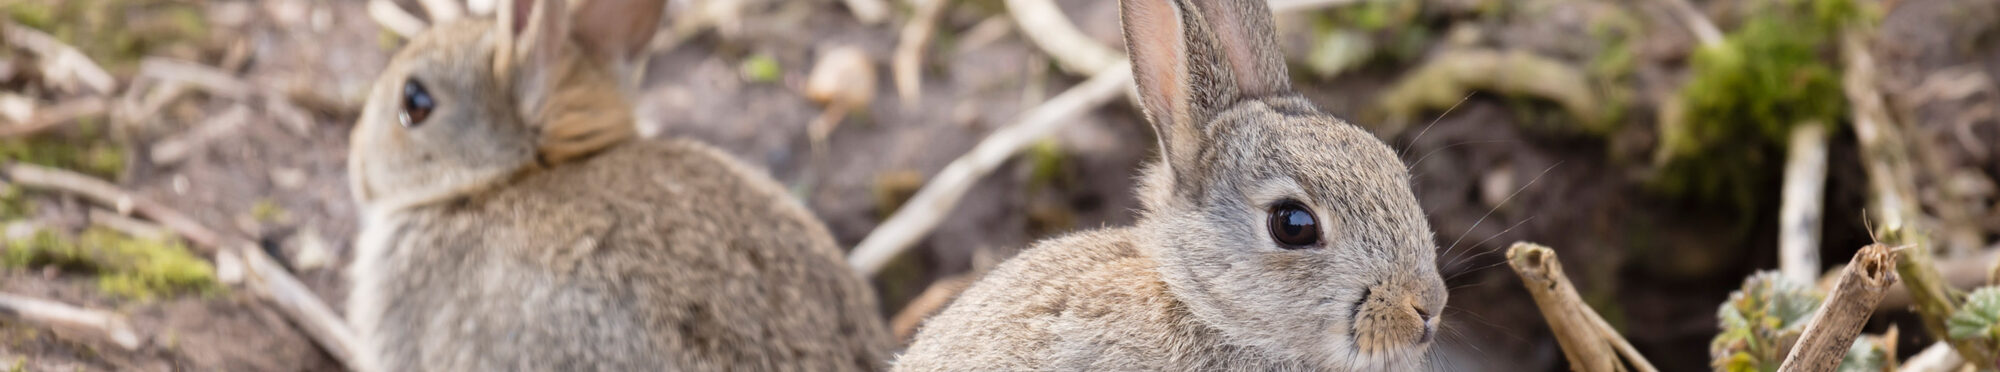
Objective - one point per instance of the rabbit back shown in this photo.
(653, 253)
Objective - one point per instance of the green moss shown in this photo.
(269, 211)
(84, 149)
(125, 266)
(761, 68)
(115, 33)
(1047, 165)
(1745, 95)
(1758, 319)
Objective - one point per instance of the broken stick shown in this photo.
(59, 315)
(1590, 344)
(1833, 328)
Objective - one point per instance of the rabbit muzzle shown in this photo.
(1395, 314)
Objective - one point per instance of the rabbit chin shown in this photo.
(1343, 354)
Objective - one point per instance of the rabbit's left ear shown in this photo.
(617, 31)
(1242, 29)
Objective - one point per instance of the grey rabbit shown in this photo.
(1273, 236)
(512, 222)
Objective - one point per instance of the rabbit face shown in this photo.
(1283, 228)
(437, 122)
(1304, 239)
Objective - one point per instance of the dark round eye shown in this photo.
(417, 104)
(1293, 226)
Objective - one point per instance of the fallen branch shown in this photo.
(869, 12)
(1044, 25)
(174, 149)
(55, 314)
(62, 63)
(1590, 344)
(1886, 156)
(128, 225)
(1704, 30)
(907, 65)
(931, 203)
(209, 79)
(52, 117)
(1832, 330)
(1800, 209)
(441, 11)
(266, 278)
(393, 18)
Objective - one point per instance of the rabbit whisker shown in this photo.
(1434, 122)
(1496, 207)
(1483, 242)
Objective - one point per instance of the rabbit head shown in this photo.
(470, 103)
(1282, 227)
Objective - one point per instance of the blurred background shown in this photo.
(1645, 141)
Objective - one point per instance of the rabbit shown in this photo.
(1272, 235)
(511, 221)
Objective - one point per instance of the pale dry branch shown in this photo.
(1833, 328)
(273, 283)
(869, 12)
(61, 63)
(63, 316)
(44, 119)
(395, 19)
(1704, 30)
(128, 225)
(101, 192)
(211, 80)
(907, 64)
(441, 11)
(928, 207)
(1044, 25)
(1590, 344)
(1800, 209)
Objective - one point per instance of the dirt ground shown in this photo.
(1489, 173)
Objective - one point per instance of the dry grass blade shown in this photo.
(1832, 330)
(177, 148)
(62, 316)
(1590, 344)
(928, 207)
(45, 178)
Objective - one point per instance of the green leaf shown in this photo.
(1980, 318)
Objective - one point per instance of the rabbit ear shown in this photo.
(618, 31)
(531, 35)
(1181, 75)
(1250, 44)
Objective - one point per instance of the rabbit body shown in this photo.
(1273, 237)
(509, 224)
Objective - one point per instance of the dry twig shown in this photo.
(1937, 358)
(61, 63)
(55, 116)
(1044, 24)
(1587, 340)
(869, 12)
(907, 65)
(395, 19)
(174, 149)
(59, 315)
(1832, 330)
(1800, 209)
(929, 206)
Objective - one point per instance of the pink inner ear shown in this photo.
(1243, 29)
(1154, 37)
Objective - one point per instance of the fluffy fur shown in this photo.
(1198, 283)
(520, 228)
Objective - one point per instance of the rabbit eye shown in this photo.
(417, 104)
(1294, 226)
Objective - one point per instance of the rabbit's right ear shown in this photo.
(530, 36)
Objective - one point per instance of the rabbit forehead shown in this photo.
(1336, 167)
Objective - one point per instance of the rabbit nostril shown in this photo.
(1422, 314)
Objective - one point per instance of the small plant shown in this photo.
(1980, 318)
(1760, 321)
(125, 266)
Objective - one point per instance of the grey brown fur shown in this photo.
(487, 245)
(1197, 283)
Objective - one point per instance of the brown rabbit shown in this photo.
(511, 223)
(1274, 236)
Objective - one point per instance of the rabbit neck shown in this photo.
(589, 111)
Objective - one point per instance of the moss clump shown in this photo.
(125, 266)
(84, 148)
(1736, 112)
(116, 33)
(761, 68)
